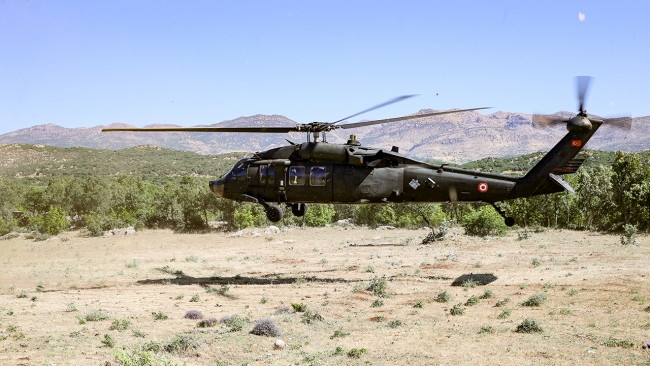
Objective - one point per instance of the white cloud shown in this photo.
(581, 16)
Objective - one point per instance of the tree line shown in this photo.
(607, 198)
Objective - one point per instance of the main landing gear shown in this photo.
(274, 213)
(509, 221)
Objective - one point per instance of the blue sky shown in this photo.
(87, 63)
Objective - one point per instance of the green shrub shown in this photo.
(505, 314)
(299, 307)
(356, 352)
(629, 235)
(529, 325)
(6, 226)
(139, 357)
(488, 294)
(308, 317)
(378, 286)
(120, 324)
(234, 323)
(535, 300)
(108, 341)
(319, 215)
(339, 333)
(622, 343)
(457, 310)
(473, 300)
(181, 343)
(486, 329)
(483, 222)
(395, 324)
(159, 315)
(443, 297)
(95, 316)
(53, 222)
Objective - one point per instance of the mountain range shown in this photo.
(456, 138)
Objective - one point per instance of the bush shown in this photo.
(356, 352)
(443, 297)
(120, 325)
(95, 316)
(457, 310)
(6, 226)
(234, 323)
(378, 286)
(159, 315)
(207, 323)
(629, 235)
(473, 300)
(483, 222)
(181, 343)
(266, 327)
(53, 222)
(319, 215)
(308, 317)
(108, 341)
(299, 307)
(193, 314)
(529, 325)
(535, 300)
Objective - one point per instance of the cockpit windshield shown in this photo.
(239, 170)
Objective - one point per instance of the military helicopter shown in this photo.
(321, 172)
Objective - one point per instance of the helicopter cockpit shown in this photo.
(239, 170)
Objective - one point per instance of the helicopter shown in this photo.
(320, 172)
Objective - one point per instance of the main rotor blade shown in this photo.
(394, 100)
(206, 129)
(582, 83)
(404, 118)
(541, 120)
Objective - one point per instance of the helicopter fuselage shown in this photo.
(317, 172)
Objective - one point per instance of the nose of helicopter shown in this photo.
(216, 186)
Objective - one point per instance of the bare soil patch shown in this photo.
(595, 313)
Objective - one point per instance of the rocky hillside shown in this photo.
(452, 138)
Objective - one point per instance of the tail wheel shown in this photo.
(274, 213)
(298, 209)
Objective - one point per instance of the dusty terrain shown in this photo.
(596, 313)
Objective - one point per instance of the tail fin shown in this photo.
(545, 176)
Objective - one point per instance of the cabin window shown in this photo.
(267, 175)
(297, 176)
(317, 176)
(262, 174)
(270, 175)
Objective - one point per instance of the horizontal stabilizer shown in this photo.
(561, 182)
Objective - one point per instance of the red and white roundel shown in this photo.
(482, 187)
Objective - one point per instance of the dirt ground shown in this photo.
(597, 308)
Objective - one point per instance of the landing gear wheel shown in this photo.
(274, 213)
(509, 221)
(298, 209)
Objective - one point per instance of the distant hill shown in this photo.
(453, 138)
(40, 162)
